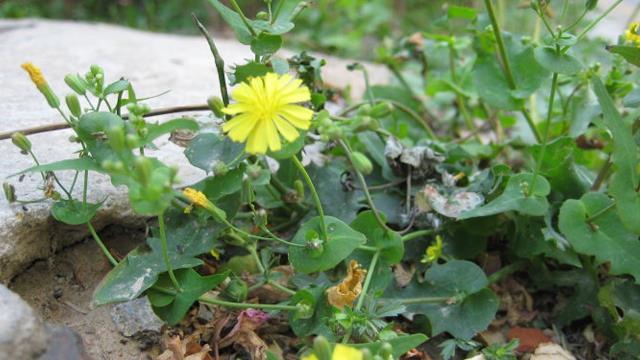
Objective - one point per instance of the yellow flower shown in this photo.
(434, 252)
(38, 79)
(265, 109)
(35, 74)
(632, 33)
(349, 289)
(196, 197)
(340, 352)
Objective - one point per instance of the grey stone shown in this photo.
(22, 333)
(135, 317)
(64, 344)
(153, 62)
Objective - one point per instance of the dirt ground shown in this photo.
(61, 289)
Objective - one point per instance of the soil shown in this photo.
(61, 288)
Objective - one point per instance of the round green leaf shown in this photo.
(341, 242)
(207, 149)
(557, 62)
(74, 212)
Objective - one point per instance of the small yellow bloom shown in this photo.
(340, 352)
(632, 34)
(349, 289)
(196, 198)
(35, 74)
(265, 110)
(434, 252)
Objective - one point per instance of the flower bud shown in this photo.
(591, 4)
(143, 168)
(9, 192)
(73, 104)
(216, 105)
(220, 168)
(386, 351)
(76, 83)
(260, 218)
(116, 137)
(262, 15)
(132, 141)
(299, 186)
(381, 110)
(362, 163)
(304, 310)
(253, 171)
(322, 348)
(237, 290)
(335, 133)
(96, 69)
(315, 245)
(18, 139)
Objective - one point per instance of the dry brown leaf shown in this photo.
(348, 290)
(187, 349)
(244, 335)
(551, 351)
(403, 275)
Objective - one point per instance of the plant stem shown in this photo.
(552, 96)
(165, 252)
(459, 99)
(280, 287)
(233, 305)
(602, 174)
(507, 270)
(363, 294)
(279, 239)
(314, 195)
(426, 300)
(506, 65)
(254, 253)
(601, 212)
(217, 59)
(364, 186)
(417, 234)
(595, 22)
(101, 245)
(237, 8)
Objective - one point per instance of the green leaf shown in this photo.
(557, 62)
(251, 69)
(193, 286)
(208, 149)
(603, 237)
(74, 212)
(116, 87)
(218, 186)
(341, 242)
(318, 324)
(454, 297)
(140, 269)
(266, 44)
(529, 75)
(514, 198)
(235, 22)
(388, 242)
(492, 86)
(80, 164)
(336, 199)
(284, 22)
(401, 344)
(624, 181)
(629, 53)
(157, 130)
(461, 12)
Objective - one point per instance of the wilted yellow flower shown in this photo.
(265, 109)
(433, 252)
(196, 197)
(38, 79)
(340, 352)
(632, 33)
(349, 289)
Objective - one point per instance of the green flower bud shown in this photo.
(262, 15)
(366, 354)
(50, 96)
(304, 310)
(322, 348)
(335, 133)
(143, 168)
(132, 141)
(18, 139)
(107, 165)
(260, 218)
(315, 245)
(220, 168)
(96, 69)
(216, 105)
(362, 163)
(591, 4)
(116, 137)
(237, 290)
(299, 186)
(381, 110)
(253, 171)
(9, 192)
(364, 109)
(386, 351)
(73, 104)
(76, 83)
(365, 123)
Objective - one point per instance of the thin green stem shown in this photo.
(368, 248)
(426, 300)
(363, 294)
(314, 195)
(228, 304)
(279, 239)
(363, 184)
(254, 253)
(237, 8)
(459, 99)
(219, 61)
(417, 234)
(505, 271)
(276, 285)
(545, 140)
(165, 252)
(101, 245)
(601, 212)
(578, 20)
(595, 21)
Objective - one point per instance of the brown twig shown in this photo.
(59, 126)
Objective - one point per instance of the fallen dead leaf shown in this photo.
(551, 351)
(529, 338)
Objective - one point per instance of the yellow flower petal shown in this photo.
(343, 352)
(286, 129)
(311, 356)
